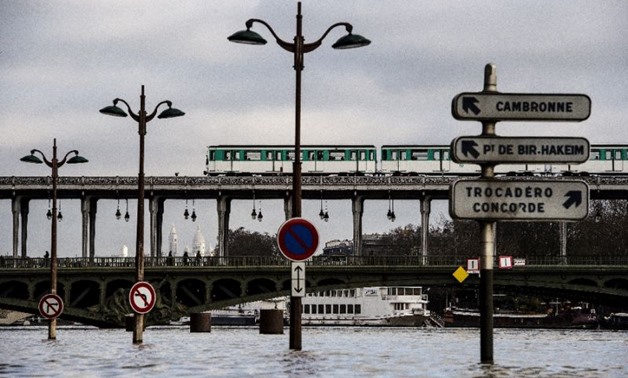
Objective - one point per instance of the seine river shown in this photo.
(327, 352)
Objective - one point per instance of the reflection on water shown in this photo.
(327, 352)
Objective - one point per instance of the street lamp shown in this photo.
(142, 118)
(298, 48)
(55, 164)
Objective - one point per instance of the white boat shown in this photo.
(370, 306)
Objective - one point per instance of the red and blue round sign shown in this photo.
(297, 239)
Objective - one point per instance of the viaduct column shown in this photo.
(15, 209)
(425, 227)
(156, 208)
(24, 202)
(85, 205)
(223, 204)
(93, 207)
(357, 208)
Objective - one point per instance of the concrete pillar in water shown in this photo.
(201, 322)
(271, 322)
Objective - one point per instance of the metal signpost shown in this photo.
(489, 199)
(298, 240)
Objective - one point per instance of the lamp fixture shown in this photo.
(186, 213)
(59, 215)
(127, 216)
(391, 209)
(193, 212)
(253, 212)
(118, 213)
(259, 214)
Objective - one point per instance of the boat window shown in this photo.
(358, 309)
(306, 309)
(392, 291)
(321, 309)
(352, 292)
(328, 309)
(408, 291)
(335, 307)
(343, 309)
(417, 291)
(350, 309)
(313, 309)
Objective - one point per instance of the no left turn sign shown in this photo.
(50, 306)
(142, 297)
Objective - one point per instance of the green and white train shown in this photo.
(391, 160)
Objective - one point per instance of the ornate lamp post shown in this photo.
(298, 48)
(55, 164)
(142, 118)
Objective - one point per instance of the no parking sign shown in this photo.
(297, 239)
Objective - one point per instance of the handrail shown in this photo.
(180, 262)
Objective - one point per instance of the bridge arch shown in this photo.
(84, 293)
(191, 292)
(225, 289)
(261, 286)
(14, 289)
(617, 283)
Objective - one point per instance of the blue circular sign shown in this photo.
(297, 239)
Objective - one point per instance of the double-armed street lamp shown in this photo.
(55, 164)
(142, 118)
(298, 48)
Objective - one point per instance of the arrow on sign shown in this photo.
(574, 197)
(468, 147)
(468, 103)
(298, 269)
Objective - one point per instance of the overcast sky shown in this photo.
(62, 61)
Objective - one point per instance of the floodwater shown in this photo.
(326, 352)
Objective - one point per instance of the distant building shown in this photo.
(173, 240)
(338, 247)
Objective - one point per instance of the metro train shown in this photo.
(410, 160)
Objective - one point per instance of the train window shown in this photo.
(618, 155)
(595, 155)
(212, 155)
(419, 155)
(290, 155)
(253, 155)
(608, 155)
(337, 155)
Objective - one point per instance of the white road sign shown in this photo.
(497, 106)
(495, 149)
(298, 279)
(519, 200)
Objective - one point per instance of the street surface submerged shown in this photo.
(327, 352)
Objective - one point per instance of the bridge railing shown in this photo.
(247, 261)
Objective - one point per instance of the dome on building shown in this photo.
(124, 251)
(198, 244)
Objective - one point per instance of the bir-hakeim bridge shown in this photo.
(95, 289)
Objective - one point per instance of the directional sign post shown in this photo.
(494, 149)
(298, 279)
(495, 106)
(50, 306)
(544, 200)
(142, 297)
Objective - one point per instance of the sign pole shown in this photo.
(487, 230)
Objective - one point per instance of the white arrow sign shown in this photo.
(298, 279)
(519, 200)
(494, 149)
(497, 106)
